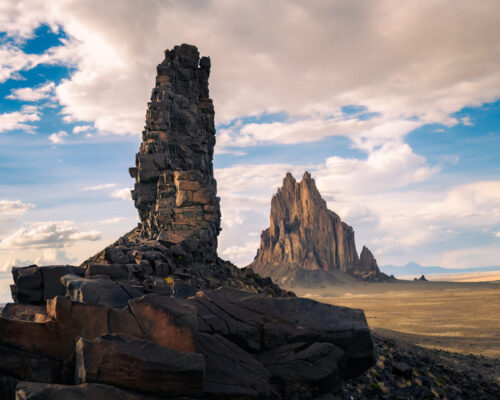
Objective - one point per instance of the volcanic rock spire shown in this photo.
(304, 235)
(175, 191)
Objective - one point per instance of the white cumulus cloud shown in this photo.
(50, 234)
(19, 120)
(13, 209)
(33, 94)
(58, 138)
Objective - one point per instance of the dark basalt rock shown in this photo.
(406, 371)
(24, 365)
(157, 313)
(258, 324)
(98, 289)
(86, 391)
(7, 388)
(168, 321)
(35, 284)
(307, 244)
(231, 371)
(140, 366)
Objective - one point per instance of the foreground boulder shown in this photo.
(86, 391)
(258, 324)
(35, 284)
(221, 343)
(230, 370)
(140, 366)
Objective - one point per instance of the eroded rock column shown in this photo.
(175, 191)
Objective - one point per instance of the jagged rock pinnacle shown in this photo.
(304, 234)
(175, 191)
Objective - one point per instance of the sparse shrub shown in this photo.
(170, 282)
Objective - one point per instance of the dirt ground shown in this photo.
(458, 317)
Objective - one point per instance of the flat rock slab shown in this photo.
(90, 320)
(167, 321)
(24, 365)
(98, 289)
(230, 371)
(46, 338)
(55, 338)
(25, 312)
(86, 391)
(316, 366)
(115, 272)
(139, 366)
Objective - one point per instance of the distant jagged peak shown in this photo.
(304, 234)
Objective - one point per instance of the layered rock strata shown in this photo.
(157, 315)
(306, 243)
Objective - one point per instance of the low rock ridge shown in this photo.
(102, 338)
(157, 314)
(308, 244)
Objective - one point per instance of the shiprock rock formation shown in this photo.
(307, 244)
(157, 314)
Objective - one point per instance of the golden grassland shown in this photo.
(452, 316)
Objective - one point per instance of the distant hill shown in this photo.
(412, 268)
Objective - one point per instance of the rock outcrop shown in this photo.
(175, 190)
(157, 314)
(308, 244)
(176, 193)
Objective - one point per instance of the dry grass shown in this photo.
(455, 317)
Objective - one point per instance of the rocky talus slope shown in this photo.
(157, 315)
(406, 371)
(307, 244)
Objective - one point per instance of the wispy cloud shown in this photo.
(102, 186)
(81, 128)
(123, 194)
(112, 220)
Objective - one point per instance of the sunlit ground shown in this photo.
(459, 317)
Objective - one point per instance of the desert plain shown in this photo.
(461, 317)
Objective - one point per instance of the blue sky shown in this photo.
(401, 129)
